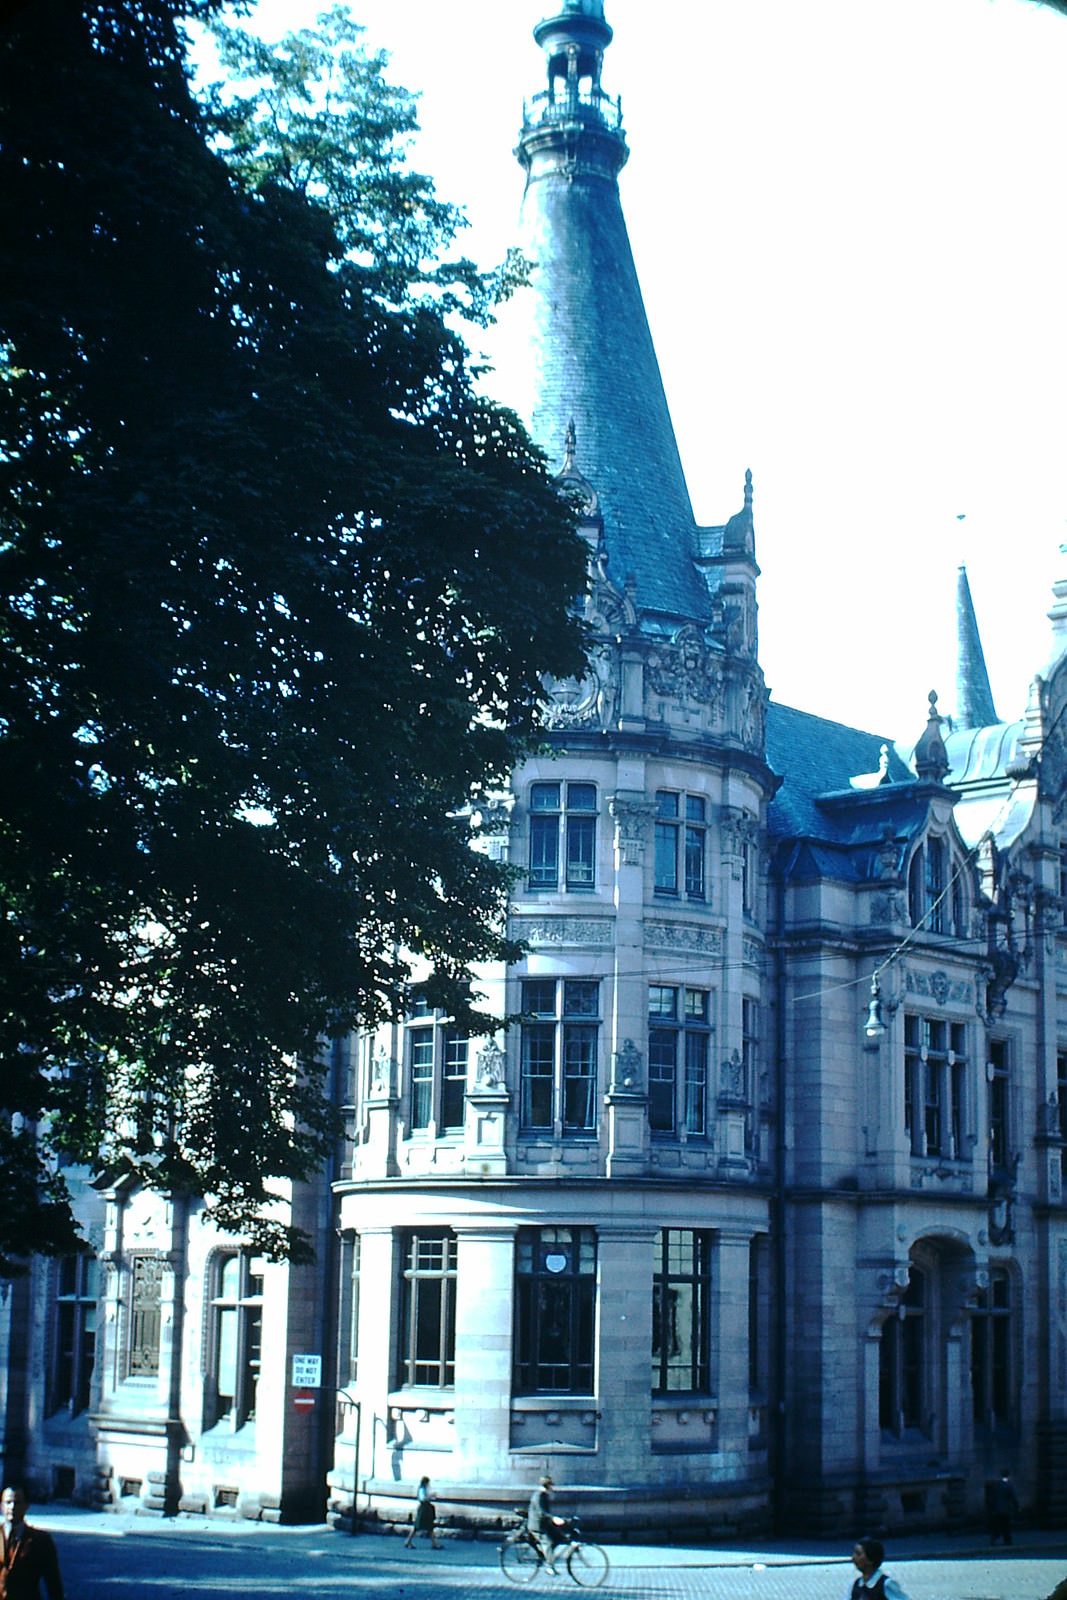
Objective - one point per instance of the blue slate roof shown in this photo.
(842, 826)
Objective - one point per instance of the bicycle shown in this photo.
(521, 1556)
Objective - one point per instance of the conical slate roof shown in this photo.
(575, 345)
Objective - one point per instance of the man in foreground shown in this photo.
(27, 1555)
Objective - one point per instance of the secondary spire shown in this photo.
(974, 697)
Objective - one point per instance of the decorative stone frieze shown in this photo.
(688, 936)
(939, 987)
(562, 930)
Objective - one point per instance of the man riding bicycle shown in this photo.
(549, 1530)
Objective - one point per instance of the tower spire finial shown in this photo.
(930, 756)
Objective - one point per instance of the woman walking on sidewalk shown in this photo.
(425, 1515)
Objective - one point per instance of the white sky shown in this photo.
(850, 227)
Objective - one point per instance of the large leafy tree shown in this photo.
(276, 592)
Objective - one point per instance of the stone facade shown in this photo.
(754, 1213)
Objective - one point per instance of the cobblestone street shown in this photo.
(125, 1558)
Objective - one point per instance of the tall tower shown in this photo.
(607, 1156)
(575, 347)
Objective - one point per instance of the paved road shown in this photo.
(133, 1558)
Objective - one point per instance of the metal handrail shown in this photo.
(548, 107)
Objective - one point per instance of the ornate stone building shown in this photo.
(755, 1211)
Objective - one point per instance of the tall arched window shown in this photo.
(928, 876)
(236, 1336)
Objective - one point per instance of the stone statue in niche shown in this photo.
(732, 1078)
(752, 714)
(490, 1069)
(381, 1071)
(628, 1066)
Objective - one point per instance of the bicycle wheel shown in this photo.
(588, 1565)
(519, 1560)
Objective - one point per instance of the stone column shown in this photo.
(485, 1273)
(378, 1157)
(624, 1364)
(729, 1277)
(626, 1101)
(377, 1344)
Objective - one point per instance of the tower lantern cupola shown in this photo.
(573, 119)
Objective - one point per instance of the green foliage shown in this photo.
(276, 592)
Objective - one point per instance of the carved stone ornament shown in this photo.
(588, 702)
(736, 829)
(1001, 1220)
(628, 1063)
(686, 670)
(490, 1067)
(492, 818)
(889, 908)
(608, 611)
(887, 860)
(570, 478)
(1048, 911)
(1048, 1118)
(1053, 768)
(633, 825)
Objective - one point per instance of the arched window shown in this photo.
(928, 876)
(236, 1336)
(916, 887)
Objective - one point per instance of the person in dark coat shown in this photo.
(549, 1530)
(28, 1556)
(1003, 1508)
